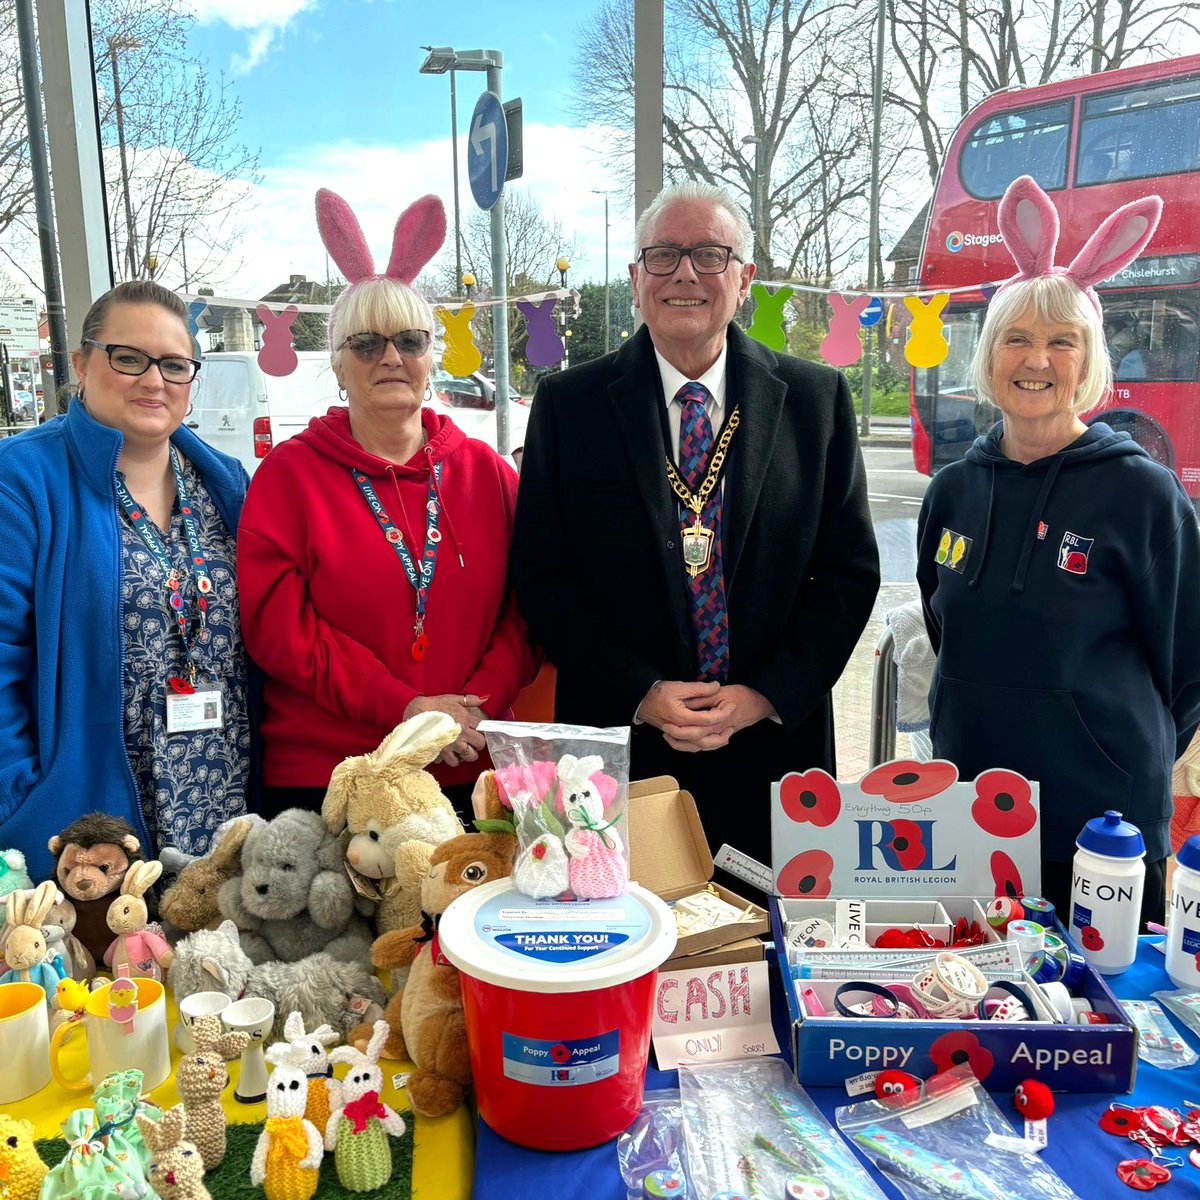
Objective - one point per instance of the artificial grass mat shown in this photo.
(232, 1178)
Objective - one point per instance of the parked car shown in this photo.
(26, 408)
(471, 403)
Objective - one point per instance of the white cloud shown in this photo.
(261, 20)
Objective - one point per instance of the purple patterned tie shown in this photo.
(710, 617)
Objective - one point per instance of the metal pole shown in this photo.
(873, 236)
(458, 271)
(131, 260)
(607, 274)
(499, 285)
(43, 200)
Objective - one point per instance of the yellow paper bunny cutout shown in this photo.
(927, 345)
(461, 356)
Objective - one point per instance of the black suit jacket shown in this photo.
(600, 577)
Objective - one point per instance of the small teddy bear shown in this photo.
(597, 868)
(176, 1169)
(201, 1078)
(144, 951)
(287, 1158)
(308, 1052)
(358, 1131)
(21, 1168)
(191, 902)
(25, 945)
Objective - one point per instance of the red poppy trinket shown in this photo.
(1142, 1174)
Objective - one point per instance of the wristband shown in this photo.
(812, 1002)
(881, 1003)
(1059, 999)
(1017, 1005)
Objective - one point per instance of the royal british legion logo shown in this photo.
(1073, 553)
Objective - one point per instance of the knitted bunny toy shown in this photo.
(145, 951)
(597, 869)
(25, 946)
(358, 1131)
(201, 1078)
(287, 1159)
(308, 1052)
(176, 1169)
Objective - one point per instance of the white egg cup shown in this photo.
(191, 1009)
(254, 1016)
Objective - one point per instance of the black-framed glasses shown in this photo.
(709, 259)
(409, 343)
(129, 360)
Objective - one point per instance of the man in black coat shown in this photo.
(728, 691)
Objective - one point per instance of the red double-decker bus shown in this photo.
(1093, 144)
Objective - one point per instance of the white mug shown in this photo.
(24, 1041)
(191, 1009)
(128, 1034)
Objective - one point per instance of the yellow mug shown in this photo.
(24, 1041)
(123, 1034)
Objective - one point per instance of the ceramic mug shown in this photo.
(191, 1009)
(124, 1032)
(24, 1041)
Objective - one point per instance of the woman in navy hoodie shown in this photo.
(1059, 566)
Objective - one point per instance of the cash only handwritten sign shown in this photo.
(712, 1013)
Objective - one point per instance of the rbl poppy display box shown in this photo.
(914, 832)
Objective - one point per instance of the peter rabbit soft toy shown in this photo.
(309, 1052)
(144, 951)
(201, 1078)
(287, 1158)
(25, 946)
(358, 1131)
(176, 1168)
(395, 813)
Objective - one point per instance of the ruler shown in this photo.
(744, 867)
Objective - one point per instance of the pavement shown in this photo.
(888, 431)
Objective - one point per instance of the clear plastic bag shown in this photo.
(654, 1142)
(750, 1129)
(568, 786)
(1158, 1040)
(951, 1143)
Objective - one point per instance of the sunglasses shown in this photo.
(409, 343)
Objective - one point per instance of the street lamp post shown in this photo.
(756, 202)
(433, 66)
(607, 315)
(563, 263)
(124, 42)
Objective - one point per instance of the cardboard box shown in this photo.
(746, 951)
(669, 854)
(930, 837)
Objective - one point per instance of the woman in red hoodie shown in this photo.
(373, 549)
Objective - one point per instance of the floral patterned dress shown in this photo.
(188, 782)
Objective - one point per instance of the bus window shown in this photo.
(1140, 132)
(1153, 338)
(1030, 141)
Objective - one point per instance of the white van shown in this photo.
(238, 409)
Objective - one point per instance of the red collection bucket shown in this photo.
(559, 1000)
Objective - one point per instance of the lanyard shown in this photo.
(419, 575)
(153, 542)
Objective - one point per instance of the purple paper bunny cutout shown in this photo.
(545, 347)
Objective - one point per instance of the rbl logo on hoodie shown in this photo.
(1073, 553)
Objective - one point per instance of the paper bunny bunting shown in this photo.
(1029, 227)
(419, 234)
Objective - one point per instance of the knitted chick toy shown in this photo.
(21, 1170)
(201, 1078)
(358, 1131)
(287, 1159)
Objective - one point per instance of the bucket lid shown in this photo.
(1110, 836)
(503, 937)
(1189, 853)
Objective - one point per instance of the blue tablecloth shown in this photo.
(1079, 1150)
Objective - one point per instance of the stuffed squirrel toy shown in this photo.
(426, 1017)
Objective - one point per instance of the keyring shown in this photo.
(880, 997)
(1016, 1006)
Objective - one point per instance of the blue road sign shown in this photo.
(487, 150)
(872, 314)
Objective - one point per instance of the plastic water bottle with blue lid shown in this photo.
(1107, 877)
(1183, 917)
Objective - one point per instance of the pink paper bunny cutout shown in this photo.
(841, 346)
(419, 234)
(277, 356)
(544, 347)
(1029, 227)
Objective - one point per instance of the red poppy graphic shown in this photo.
(560, 1053)
(907, 780)
(811, 796)
(1089, 935)
(906, 845)
(1121, 1121)
(953, 1049)
(808, 874)
(1003, 806)
(1076, 562)
(1006, 876)
(1002, 910)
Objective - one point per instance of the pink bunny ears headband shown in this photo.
(1029, 227)
(420, 232)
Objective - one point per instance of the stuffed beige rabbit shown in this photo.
(201, 1079)
(144, 950)
(175, 1170)
(190, 903)
(25, 943)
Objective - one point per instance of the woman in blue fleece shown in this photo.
(122, 676)
(1059, 568)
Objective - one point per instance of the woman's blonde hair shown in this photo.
(1052, 300)
(377, 305)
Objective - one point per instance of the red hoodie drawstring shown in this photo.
(437, 487)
